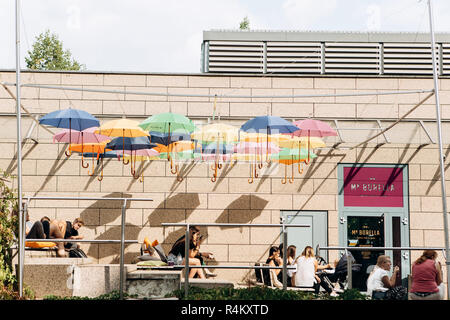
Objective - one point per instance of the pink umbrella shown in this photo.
(313, 128)
(80, 137)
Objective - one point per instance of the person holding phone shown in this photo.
(379, 281)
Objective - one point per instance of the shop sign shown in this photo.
(373, 187)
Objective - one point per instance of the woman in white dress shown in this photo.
(305, 276)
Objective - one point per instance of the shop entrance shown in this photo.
(373, 212)
(316, 234)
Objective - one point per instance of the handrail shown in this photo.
(22, 237)
(263, 225)
(349, 261)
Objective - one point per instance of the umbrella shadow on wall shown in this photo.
(13, 164)
(113, 213)
(186, 202)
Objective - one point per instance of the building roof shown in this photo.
(338, 36)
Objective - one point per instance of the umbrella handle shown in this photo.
(250, 180)
(101, 174)
(214, 178)
(171, 168)
(91, 174)
(285, 175)
(291, 180)
(83, 163)
(68, 154)
(142, 178)
(219, 166)
(179, 178)
(300, 167)
(123, 160)
(260, 165)
(256, 174)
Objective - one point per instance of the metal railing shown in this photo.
(122, 241)
(350, 262)
(284, 242)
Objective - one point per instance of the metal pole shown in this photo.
(284, 258)
(441, 156)
(349, 270)
(186, 261)
(19, 147)
(122, 248)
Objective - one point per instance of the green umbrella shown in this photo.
(168, 122)
(289, 156)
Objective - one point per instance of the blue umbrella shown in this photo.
(269, 125)
(70, 119)
(127, 143)
(166, 139)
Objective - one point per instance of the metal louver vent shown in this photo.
(293, 57)
(407, 58)
(233, 56)
(445, 58)
(352, 58)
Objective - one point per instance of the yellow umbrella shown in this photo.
(122, 128)
(216, 132)
(301, 142)
(219, 133)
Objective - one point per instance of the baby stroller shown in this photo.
(340, 272)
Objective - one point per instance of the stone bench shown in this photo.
(152, 284)
(69, 277)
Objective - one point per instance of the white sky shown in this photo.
(166, 35)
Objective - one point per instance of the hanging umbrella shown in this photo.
(100, 156)
(166, 139)
(122, 128)
(266, 126)
(168, 123)
(256, 148)
(72, 119)
(216, 139)
(269, 125)
(216, 132)
(289, 156)
(131, 144)
(313, 128)
(80, 137)
(218, 153)
(302, 144)
(96, 148)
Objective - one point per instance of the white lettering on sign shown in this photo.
(373, 187)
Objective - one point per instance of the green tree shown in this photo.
(245, 24)
(48, 54)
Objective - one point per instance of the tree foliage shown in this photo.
(48, 54)
(245, 24)
(9, 231)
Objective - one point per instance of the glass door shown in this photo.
(365, 231)
(376, 230)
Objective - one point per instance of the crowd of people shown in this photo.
(303, 270)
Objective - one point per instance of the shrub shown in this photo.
(253, 293)
(9, 231)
